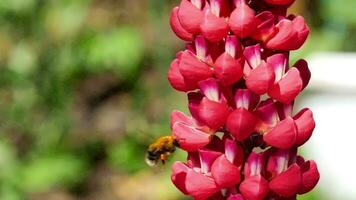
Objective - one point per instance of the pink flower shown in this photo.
(241, 122)
(259, 75)
(228, 66)
(290, 174)
(305, 124)
(279, 128)
(285, 177)
(290, 34)
(310, 175)
(190, 15)
(278, 131)
(209, 171)
(177, 26)
(188, 132)
(226, 168)
(288, 81)
(254, 186)
(196, 180)
(265, 27)
(190, 67)
(241, 90)
(209, 106)
(214, 27)
(273, 75)
(242, 19)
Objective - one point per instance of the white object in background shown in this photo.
(333, 72)
(333, 102)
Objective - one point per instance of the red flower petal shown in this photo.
(280, 2)
(277, 162)
(189, 138)
(241, 123)
(268, 114)
(210, 89)
(177, 116)
(233, 46)
(260, 79)
(225, 173)
(200, 186)
(194, 99)
(217, 196)
(284, 110)
(227, 69)
(254, 188)
(207, 158)
(244, 98)
(305, 124)
(193, 70)
(178, 177)
(190, 17)
(284, 38)
(310, 176)
(234, 152)
(176, 79)
(279, 64)
(304, 71)
(265, 28)
(254, 164)
(177, 27)
(302, 30)
(242, 20)
(288, 182)
(213, 114)
(235, 197)
(288, 88)
(283, 135)
(252, 55)
(213, 28)
(193, 159)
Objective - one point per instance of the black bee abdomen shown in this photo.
(152, 155)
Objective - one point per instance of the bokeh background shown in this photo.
(83, 91)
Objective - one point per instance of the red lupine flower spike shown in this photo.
(241, 93)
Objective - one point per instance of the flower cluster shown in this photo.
(242, 136)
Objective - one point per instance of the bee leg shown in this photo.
(163, 158)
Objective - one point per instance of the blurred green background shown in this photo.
(83, 91)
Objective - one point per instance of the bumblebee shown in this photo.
(160, 150)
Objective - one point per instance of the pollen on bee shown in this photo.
(160, 150)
